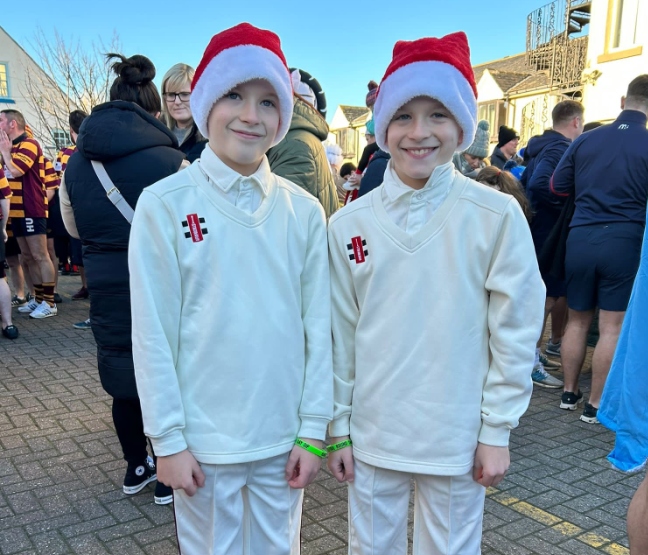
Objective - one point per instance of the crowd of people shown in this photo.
(259, 303)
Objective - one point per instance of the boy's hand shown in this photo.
(491, 464)
(340, 463)
(180, 471)
(302, 466)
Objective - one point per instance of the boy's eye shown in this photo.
(268, 103)
(232, 95)
(437, 115)
(401, 117)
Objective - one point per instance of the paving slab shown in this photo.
(61, 468)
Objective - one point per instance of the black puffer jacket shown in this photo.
(193, 145)
(137, 150)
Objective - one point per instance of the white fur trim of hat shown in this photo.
(230, 60)
(438, 68)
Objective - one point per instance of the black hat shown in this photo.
(506, 135)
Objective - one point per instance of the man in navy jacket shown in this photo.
(544, 154)
(607, 169)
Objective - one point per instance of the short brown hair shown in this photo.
(15, 115)
(76, 119)
(565, 111)
(638, 90)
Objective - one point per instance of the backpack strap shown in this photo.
(112, 192)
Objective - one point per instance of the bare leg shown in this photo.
(638, 520)
(549, 304)
(5, 302)
(572, 351)
(610, 328)
(29, 262)
(17, 276)
(37, 245)
(24, 265)
(84, 283)
(558, 319)
(54, 259)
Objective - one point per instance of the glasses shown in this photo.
(171, 97)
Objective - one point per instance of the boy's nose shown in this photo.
(419, 129)
(249, 112)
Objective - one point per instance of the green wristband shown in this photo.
(310, 448)
(340, 445)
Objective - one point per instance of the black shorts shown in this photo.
(11, 247)
(601, 264)
(26, 227)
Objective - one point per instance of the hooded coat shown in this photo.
(373, 176)
(544, 152)
(137, 150)
(300, 156)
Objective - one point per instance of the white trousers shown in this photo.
(448, 513)
(243, 509)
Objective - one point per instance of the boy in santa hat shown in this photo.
(437, 305)
(231, 314)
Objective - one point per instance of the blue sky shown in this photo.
(343, 44)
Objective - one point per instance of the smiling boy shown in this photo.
(437, 304)
(231, 314)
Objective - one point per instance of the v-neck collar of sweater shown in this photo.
(413, 242)
(250, 220)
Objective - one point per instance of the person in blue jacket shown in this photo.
(623, 406)
(543, 154)
(607, 171)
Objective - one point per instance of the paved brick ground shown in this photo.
(61, 467)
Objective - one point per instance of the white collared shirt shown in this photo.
(246, 193)
(411, 209)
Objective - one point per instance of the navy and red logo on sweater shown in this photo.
(196, 231)
(357, 250)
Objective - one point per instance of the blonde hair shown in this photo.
(174, 79)
(506, 183)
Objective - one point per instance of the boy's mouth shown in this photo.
(247, 134)
(420, 152)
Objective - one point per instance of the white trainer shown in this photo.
(44, 310)
(29, 307)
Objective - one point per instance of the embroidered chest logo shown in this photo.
(357, 249)
(196, 232)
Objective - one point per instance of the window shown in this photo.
(4, 81)
(61, 138)
(625, 30)
(625, 24)
(346, 140)
(495, 114)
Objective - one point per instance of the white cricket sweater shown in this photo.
(434, 333)
(231, 319)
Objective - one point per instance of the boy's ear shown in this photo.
(461, 137)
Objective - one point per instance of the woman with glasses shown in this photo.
(176, 112)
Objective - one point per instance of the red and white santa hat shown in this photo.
(235, 56)
(439, 68)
